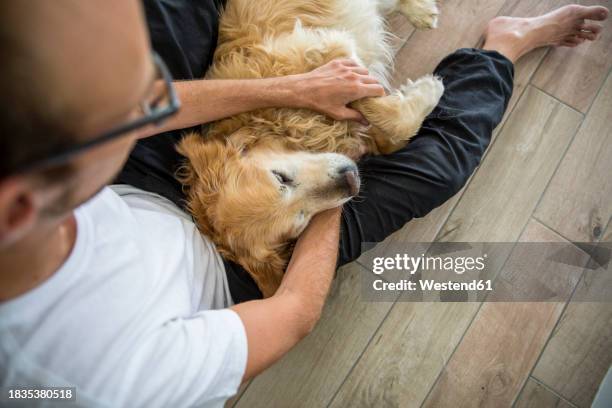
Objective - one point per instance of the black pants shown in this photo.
(397, 187)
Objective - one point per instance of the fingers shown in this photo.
(347, 62)
(367, 79)
(349, 82)
(351, 64)
(372, 90)
(360, 70)
(368, 86)
(352, 67)
(350, 114)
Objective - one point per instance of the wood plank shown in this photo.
(539, 272)
(534, 395)
(574, 75)
(491, 362)
(406, 355)
(579, 352)
(461, 24)
(400, 27)
(578, 356)
(523, 8)
(523, 71)
(578, 202)
(309, 375)
(506, 188)
(234, 400)
(503, 342)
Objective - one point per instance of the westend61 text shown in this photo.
(431, 285)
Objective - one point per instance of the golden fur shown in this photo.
(255, 179)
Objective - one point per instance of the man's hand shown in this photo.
(329, 88)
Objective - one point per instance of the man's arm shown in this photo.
(274, 325)
(327, 89)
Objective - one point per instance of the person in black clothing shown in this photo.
(398, 187)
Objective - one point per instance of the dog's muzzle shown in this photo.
(349, 176)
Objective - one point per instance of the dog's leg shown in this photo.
(386, 7)
(397, 117)
(422, 14)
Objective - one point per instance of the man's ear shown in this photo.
(17, 210)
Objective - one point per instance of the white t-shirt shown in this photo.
(135, 315)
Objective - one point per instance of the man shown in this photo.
(113, 291)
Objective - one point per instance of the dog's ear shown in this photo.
(206, 159)
(202, 176)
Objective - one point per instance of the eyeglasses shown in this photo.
(153, 111)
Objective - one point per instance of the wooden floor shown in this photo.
(547, 176)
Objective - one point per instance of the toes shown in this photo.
(598, 13)
(422, 15)
(588, 31)
(424, 21)
(590, 27)
(568, 44)
(432, 86)
(572, 41)
(587, 35)
(428, 87)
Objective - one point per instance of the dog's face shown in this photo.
(254, 201)
(299, 185)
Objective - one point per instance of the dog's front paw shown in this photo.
(423, 14)
(428, 89)
(397, 117)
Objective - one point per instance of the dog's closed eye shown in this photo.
(283, 178)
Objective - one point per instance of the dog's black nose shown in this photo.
(350, 175)
(347, 168)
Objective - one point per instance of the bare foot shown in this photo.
(567, 26)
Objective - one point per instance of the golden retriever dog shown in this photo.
(254, 180)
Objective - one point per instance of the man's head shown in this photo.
(70, 71)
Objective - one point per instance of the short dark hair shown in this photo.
(31, 126)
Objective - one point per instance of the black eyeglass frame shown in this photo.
(154, 116)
